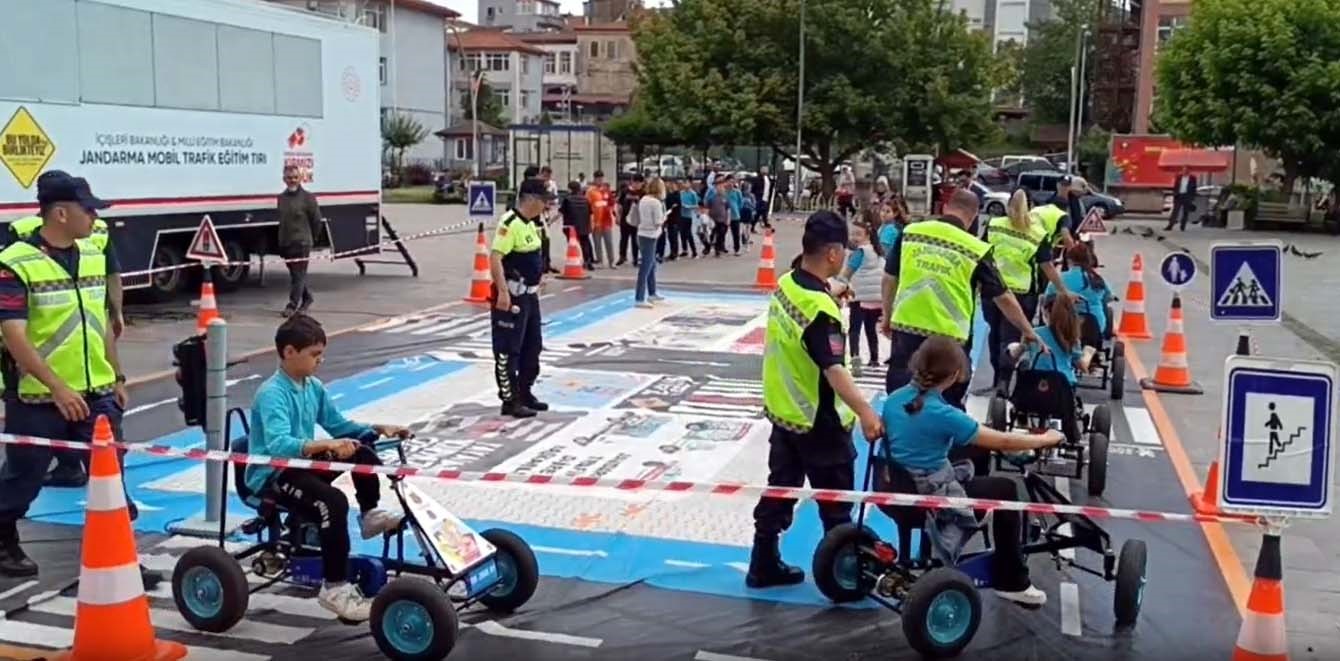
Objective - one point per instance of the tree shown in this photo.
(400, 132)
(637, 129)
(1049, 55)
(491, 109)
(726, 72)
(1258, 73)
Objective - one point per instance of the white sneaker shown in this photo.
(345, 601)
(656, 299)
(375, 523)
(646, 305)
(1029, 597)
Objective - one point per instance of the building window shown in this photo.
(498, 61)
(465, 149)
(1169, 25)
(550, 63)
(375, 18)
(504, 97)
(489, 15)
(565, 62)
(525, 63)
(595, 49)
(470, 62)
(381, 70)
(525, 7)
(526, 97)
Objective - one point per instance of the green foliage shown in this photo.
(491, 109)
(905, 74)
(1259, 73)
(1092, 152)
(637, 129)
(1049, 55)
(400, 132)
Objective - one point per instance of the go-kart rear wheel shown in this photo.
(1131, 576)
(997, 414)
(941, 613)
(1117, 376)
(413, 619)
(837, 566)
(1101, 420)
(210, 589)
(518, 571)
(1097, 464)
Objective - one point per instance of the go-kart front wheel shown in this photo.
(1097, 478)
(997, 415)
(1101, 420)
(518, 571)
(413, 619)
(1129, 594)
(941, 613)
(210, 589)
(1117, 375)
(837, 563)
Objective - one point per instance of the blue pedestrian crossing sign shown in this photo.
(481, 196)
(1178, 270)
(1247, 281)
(1277, 456)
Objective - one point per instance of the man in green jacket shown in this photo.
(299, 226)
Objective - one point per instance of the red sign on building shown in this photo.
(1134, 161)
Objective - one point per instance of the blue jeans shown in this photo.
(646, 269)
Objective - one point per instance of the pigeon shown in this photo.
(1147, 233)
(1311, 255)
(1293, 250)
(1127, 230)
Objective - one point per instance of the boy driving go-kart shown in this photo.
(284, 413)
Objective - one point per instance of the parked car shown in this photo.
(993, 203)
(1041, 186)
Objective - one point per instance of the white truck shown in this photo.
(178, 109)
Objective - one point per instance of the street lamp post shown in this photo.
(800, 113)
(1076, 98)
(474, 80)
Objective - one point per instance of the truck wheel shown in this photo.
(413, 619)
(163, 285)
(941, 613)
(230, 278)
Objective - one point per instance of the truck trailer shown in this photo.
(179, 109)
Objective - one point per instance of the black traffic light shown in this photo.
(189, 358)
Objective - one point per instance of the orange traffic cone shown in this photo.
(209, 306)
(1173, 373)
(1207, 501)
(1134, 325)
(767, 265)
(1262, 636)
(480, 281)
(112, 618)
(572, 265)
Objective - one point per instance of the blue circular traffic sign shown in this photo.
(1178, 269)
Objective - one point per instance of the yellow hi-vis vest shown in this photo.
(1050, 216)
(67, 318)
(1014, 251)
(790, 376)
(26, 227)
(935, 295)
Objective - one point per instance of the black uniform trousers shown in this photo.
(900, 374)
(1002, 331)
(516, 347)
(828, 463)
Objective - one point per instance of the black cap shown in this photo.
(825, 227)
(599, 173)
(58, 186)
(531, 171)
(637, 176)
(534, 187)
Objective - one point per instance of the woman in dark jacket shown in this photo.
(577, 218)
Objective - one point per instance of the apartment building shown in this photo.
(559, 81)
(606, 73)
(521, 15)
(513, 69)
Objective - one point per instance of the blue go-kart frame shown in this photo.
(416, 604)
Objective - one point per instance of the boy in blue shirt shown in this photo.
(689, 208)
(286, 409)
(921, 429)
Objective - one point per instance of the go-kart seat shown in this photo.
(265, 505)
(1089, 333)
(1043, 393)
(909, 520)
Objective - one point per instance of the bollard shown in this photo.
(216, 412)
(1244, 343)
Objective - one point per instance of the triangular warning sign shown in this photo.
(1245, 291)
(1093, 223)
(206, 245)
(482, 202)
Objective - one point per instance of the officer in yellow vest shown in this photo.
(61, 369)
(931, 279)
(516, 266)
(809, 396)
(1021, 247)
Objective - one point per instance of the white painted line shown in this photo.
(211, 654)
(742, 567)
(1143, 431)
(17, 589)
(41, 635)
(572, 552)
(713, 656)
(494, 629)
(171, 620)
(336, 396)
(687, 565)
(978, 406)
(572, 288)
(1064, 529)
(1070, 613)
(374, 384)
(147, 407)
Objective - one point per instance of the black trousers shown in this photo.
(719, 237)
(298, 294)
(310, 495)
(627, 236)
(861, 318)
(1182, 209)
(687, 245)
(516, 347)
(588, 254)
(1002, 331)
(828, 464)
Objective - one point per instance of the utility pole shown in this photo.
(1076, 92)
(798, 166)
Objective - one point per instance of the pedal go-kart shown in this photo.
(1108, 368)
(1043, 399)
(415, 604)
(940, 606)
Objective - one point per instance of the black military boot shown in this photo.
(14, 563)
(67, 474)
(766, 569)
(528, 400)
(515, 409)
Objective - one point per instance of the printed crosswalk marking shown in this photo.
(494, 629)
(41, 635)
(171, 620)
(713, 656)
(1143, 431)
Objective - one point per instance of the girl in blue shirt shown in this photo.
(921, 429)
(1083, 280)
(891, 225)
(1065, 352)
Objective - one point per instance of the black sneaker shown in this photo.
(288, 311)
(517, 410)
(150, 578)
(14, 563)
(533, 404)
(67, 475)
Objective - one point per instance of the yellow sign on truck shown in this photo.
(24, 147)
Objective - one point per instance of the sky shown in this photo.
(469, 9)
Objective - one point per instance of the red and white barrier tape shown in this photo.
(733, 490)
(446, 229)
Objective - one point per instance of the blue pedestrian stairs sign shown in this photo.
(481, 196)
(1277, 454)
(1247, 281)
